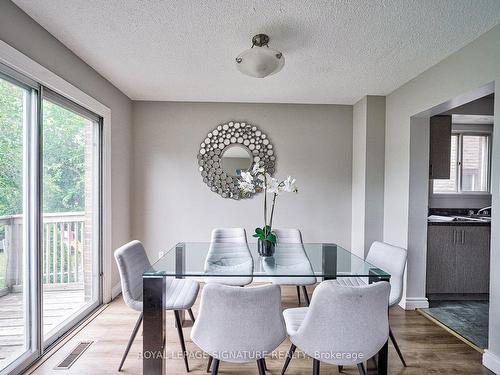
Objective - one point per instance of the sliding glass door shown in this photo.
(70, 255)
(50, 217)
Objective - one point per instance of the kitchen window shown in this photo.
(469, 165)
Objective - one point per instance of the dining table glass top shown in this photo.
(290, 260)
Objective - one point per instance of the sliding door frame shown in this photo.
(31, 213)
(23, 69)
(97, 264)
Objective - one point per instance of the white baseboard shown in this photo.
(411, 303)
(117, 289)
(491, 361)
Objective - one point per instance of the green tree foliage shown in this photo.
(11, 148)
(63, 159)
(63, 154)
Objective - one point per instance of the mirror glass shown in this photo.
(236, 158)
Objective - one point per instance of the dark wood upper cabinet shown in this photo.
(440, 147)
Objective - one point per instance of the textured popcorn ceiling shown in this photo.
(336, 51)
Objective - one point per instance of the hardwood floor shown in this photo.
(428, 349)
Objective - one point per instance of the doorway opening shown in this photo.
(459, 217)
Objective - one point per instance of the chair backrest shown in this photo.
(229, 253)
(288, 235)
(291, 258)
(391, 259)
(239, 324)
(229, 235)
(345, 325)
(132, 261)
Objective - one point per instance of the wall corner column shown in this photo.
(368, 173)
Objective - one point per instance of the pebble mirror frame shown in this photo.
(227, 135)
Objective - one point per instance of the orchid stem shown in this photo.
(265, 206)
(272, 211)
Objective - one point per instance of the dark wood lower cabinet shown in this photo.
(458, 259)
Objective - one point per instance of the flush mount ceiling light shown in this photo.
(260, 61)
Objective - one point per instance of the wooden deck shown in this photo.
(58, 304)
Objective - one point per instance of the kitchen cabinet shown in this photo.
(473, 259)
(440, 147)
(441, 260)
(458, 259)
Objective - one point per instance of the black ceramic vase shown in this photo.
(266, 248)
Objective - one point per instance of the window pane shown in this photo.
(475, 163)
(69, 197)
(449, 186)
(14, 318)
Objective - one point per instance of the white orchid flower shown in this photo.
(273, 185)
(247, 177)
(289, 186)
(257, 169)
(246, 187)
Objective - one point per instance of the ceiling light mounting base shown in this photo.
(260, 40)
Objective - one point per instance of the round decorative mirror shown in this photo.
(236, 159)
(230, 149)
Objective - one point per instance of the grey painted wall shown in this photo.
(375, 158)
(368, 173)
(171, 203)
(458, 74)
(459, 201)
(358, 177)
(28, 37)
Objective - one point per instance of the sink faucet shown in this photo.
(483, 209)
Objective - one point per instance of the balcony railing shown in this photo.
(62, 255)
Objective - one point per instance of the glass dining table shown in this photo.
(324, 261)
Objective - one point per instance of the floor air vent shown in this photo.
(71, 358)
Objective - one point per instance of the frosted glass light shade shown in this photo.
(260, 62)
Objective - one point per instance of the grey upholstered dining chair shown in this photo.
(180, 294)
(239, 324)
(292, 255)
(391, 259)
(342, 326)
(229, 254)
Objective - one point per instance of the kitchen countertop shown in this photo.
(460, 223)
(445, 217)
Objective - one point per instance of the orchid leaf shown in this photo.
(271, 237)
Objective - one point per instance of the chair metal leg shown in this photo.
(288, 358)
(191, 315)
(361, 369)
(396, 346)
(210, 359)
(306, 296)
(315, 367)
(215, 367)
(298, 293)
(341, 368)
(181, 337)
(131, 340)
(265, 364)
(261, 366)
